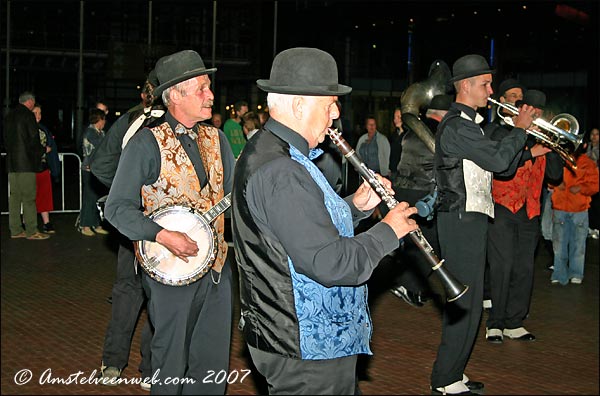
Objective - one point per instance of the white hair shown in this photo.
(181, 87)
(279, 102)
(25, 96)
(441, 113)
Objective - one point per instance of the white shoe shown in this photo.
(576, 281)
(520, 333)
(494, 336)
(453, 389)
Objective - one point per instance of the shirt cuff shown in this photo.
(150, 229)
(386, 235)
(357, 214)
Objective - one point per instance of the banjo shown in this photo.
(166, 268)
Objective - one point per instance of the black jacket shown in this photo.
(22, 140)
(460, 139)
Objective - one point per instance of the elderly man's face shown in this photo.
(512, 95)
(199, 99)
(319, 113)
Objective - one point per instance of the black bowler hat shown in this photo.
(440, 102)
(152, 78)
(533, 98)
(509, 84)
(304, 71)
(470, 66)
(180, 66)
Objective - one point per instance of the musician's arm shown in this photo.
(289, 205)
(139, 165)
(464, 139)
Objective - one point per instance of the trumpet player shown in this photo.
(464, 160)
(513, 233)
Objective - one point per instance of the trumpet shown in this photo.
(556, 138)
(452, 287)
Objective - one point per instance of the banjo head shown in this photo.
(162, 265)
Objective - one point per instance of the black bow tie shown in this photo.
(182, 130)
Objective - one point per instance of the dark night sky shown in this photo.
(553, 45)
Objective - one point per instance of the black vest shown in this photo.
(267, 302)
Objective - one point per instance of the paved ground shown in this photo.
(54, 314)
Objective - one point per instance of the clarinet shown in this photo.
(453, 288)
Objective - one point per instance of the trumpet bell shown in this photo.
(566, 122)
(570, 125)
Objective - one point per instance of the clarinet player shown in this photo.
(302, 269)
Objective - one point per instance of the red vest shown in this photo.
(524, 188)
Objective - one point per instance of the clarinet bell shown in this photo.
(452, 287)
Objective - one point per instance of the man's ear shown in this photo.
(175, 96)
(298, 107)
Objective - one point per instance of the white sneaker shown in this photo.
(576, 281)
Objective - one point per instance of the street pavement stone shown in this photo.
(54, 315)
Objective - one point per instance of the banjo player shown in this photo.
(180, 161)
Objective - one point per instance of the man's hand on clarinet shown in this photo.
(399, 219)
(178, 243)
(365, 198)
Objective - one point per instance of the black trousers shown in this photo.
(414, 271)
(512, 239)
(127, 300)
(463, 240)
(192, 333)
(286, 376)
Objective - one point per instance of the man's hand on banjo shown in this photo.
(178, 243)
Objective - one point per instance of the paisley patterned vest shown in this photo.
(178, 183)
(334, 321)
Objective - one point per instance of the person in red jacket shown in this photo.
(571, 201)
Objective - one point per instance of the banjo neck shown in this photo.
(220, 207)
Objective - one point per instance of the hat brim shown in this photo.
(472, 74)
(522, 102)
(186, 76)
(325, 90)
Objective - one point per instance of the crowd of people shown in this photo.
(302, 268)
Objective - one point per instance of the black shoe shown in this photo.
(412, 299)
(109, 299)
(475, 386)
(48, 228)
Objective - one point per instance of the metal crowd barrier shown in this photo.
(70, 180)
